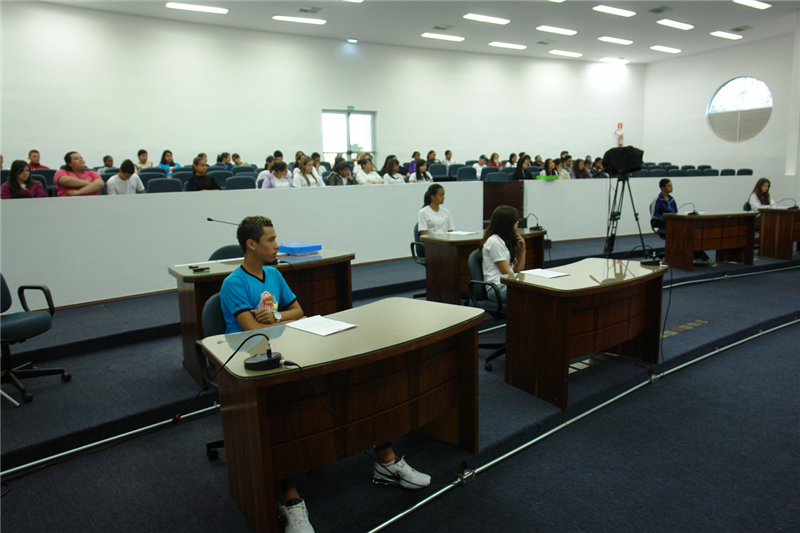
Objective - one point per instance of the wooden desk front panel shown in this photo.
(732, 236)
(497, 193)
(780, 228)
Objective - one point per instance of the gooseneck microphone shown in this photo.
(792, 199)
(694, 209)
(221, 221)
(537, 227)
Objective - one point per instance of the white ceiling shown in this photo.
(402, 23)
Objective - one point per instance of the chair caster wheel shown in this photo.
(66, 377)
(488, 367)
(212, 454)
(27, 397)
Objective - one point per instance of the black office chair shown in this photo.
(19, 327)
(213, 324)
(477, 294)
(231, 251)
(418, 253)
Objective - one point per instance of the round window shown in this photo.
(740, 109)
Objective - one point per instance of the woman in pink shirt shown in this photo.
(75, 179)
(20, 184)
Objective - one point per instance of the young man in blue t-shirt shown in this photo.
(255, 296)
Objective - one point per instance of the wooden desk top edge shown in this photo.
(227, 266)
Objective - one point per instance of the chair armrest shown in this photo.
(47, 296)
(495, 288)
(414, 252)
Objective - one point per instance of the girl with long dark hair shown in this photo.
(502, 250)
(433, 217)
(19, 183)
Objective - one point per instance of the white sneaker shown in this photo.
(295, 516)
(399, 473)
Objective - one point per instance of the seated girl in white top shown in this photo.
(512, 161)
(366, 174)
(279, 178)
(392, 175)
(760, 197)
(495, 251)
(433, 218)
(304, 176)
(421, 174)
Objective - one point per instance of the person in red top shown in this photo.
(75, 179)
(494, 161)
(34, 158)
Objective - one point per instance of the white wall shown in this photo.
(678, 91)
(101, 82)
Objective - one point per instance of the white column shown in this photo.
(793, 131)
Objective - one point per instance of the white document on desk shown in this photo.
(320, 325)
(463, 232)
(549, 274)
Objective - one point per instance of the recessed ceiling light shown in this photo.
(443, 37)
(203, 9)
(753, 3)
(552, 29)
(614, 40)
(675, 24)
(354, 41)
(555, 1)
(614, 11)
(354, 1)
(667, 49)
(508, 45)
(484, 18)
(563, 53)
(726, 35)
(615, 60)
(299, 20)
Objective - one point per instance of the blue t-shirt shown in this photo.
(242, 291)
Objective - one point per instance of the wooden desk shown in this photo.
(447, 261)
(780, 228)
(732, 235)
(322, 286)
(603, 305)
(408, 365)
(497, 193)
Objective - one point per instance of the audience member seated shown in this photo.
(480, 165)
(200, 180)
(340, 175)
(522, 172)
(75, 179)
(19, 183)
(494, 161)
(579, 171)
(278, 155)
(304, 174)
(366, 173)
(597, 169)
(297, 156)
(1, 162)
(204, 157)
(317, 169)
(496, 256)
(421, 174)
(224, 161)
(563, 156)
(126, 182)
(392, 176)
(278, 178)
(512, 161)
(549, 171)
(415, 158)
(108, 162)
(538, 161)
(449, 159)
(167, 162)
(268, 166)
(663, 204)
(237, 161)
(434, 217)
(431, 159)
(563, 173)
(34, 157)
(143, 162)
(760, 197)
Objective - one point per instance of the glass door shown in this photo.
(348, 133)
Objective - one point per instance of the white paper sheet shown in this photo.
(320, 325)
(549, 274)
(463, 233)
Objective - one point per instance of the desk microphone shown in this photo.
(694, 209)
(221, 221)
(537, 227)
(792, 199)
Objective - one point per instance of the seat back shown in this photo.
(470, 162)
(655, 224)
(485, 171)
(164, 185)
(710, 172)
(687, 167)
(438, 170)
(417, 248)
(453, 169)
(656, 172)
(221, 177)
(213, 319)
(747, 207)
(241, 168)
(496, 176)
(230, 251)
(727, 172)
(745, 172)
(467, 174)
(42, 180)
(153, 170)
(676, 172)
(640, 174)
(108, 171)
(703, 167)
(477, 292)
(693, 172)
(511, 170)
(183, 177)
(5, 295)
(241, 182)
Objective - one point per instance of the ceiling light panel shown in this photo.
(675, 24)
(614, 11)
(614, 40)
(299, 20)
(553, 29)
(484, 18)
(666, 49)
(565, 54)
(202, 9)
(753, 3)
(508, 45)
(443, 37)
(614, 60)
(726, 35)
